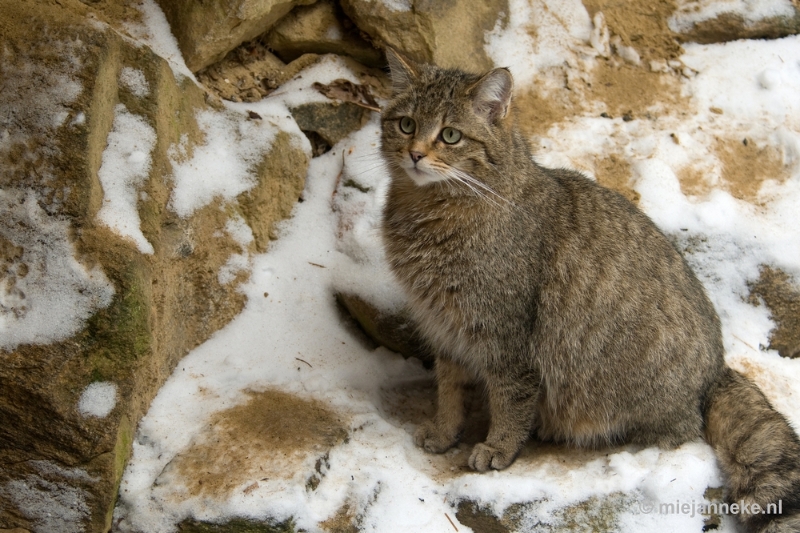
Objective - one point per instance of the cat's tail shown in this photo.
(758, 452)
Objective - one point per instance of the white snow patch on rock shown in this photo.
(98, 399)
(224, 166)
(51, 506)
(124, 169)
(558, 25)
(133, 79)
(46, 294)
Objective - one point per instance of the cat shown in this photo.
(581, 320)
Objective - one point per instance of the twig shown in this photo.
(366, 106)
(451, 522)
(743, 342)
(304, 361)
(338, 179)
(316, 265)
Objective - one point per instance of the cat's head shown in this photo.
(444, 124)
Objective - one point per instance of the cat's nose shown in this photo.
(416, 156)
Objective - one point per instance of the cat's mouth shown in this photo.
(421, 174)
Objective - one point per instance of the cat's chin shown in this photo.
(422, 177)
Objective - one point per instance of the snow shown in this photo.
(124, 170)
(98, 399)
(154, 30)
(292, 337)
(135, 81)
(47, 497)
(398, 5)
(46, 293)
(538, 34)
(224, 166)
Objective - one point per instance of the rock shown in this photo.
(208, 30)
(250, 72)
(715, 22)
(325, 123)
(96, 316)
(396, 331)
(321, 28)
(239, 525)
(449, 34)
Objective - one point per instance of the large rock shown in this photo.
(94, 316)
(714, 21)
(321, 28)
(208, 30)
(448, 33)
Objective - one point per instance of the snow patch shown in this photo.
(123, 171)
(98, 399)
(46, 294)
(224, 165)
(155, 32)
(51, 506)
(133, 79)
(558, 26)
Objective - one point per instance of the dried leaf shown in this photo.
(347, 91)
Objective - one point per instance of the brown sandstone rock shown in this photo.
(137, 314)
(730, 26)
(208, 30)
(320, 28)
(448, 33)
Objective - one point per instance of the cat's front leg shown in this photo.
(442, 433)
(512, 407)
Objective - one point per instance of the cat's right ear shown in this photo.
(402, 71)
(491, 95)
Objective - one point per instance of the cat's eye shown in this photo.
(407, 125)
(451, 135)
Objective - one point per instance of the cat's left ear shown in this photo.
(491, 95)
(402, 71)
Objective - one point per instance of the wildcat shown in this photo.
(581, 320)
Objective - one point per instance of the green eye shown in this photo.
(451, 135)
(407, 125)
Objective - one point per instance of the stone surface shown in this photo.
(59, 468)
(321, 28)
(208, 30)
(250, 72)
(728, 25)
(325, 124)
(448, 33)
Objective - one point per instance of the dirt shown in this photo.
(613, 89)
(344, 521)
(269, 436)
(781, 294)
(614, 172)
(746, 166)
(641, 24)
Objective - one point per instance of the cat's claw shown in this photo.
(431, 439)
(484, 457)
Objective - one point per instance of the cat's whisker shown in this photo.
(476, 186)
(480, 184)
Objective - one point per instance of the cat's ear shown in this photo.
(491, 95)
(401, 70)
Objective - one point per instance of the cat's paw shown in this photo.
(484, 457)
(429, 437)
